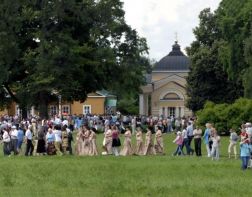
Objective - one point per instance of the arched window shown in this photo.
(171, 96)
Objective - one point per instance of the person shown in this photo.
(133, 124)
(50, 140)
(34, 131)
(79, 141)
(249, 130)
(92, 140)
(41, 141)
(139, 140)
(232, 143)
(159, 145)
(206, 138)
(58, 141)
(215, 153)
(70, 139)
(28, 139)
(64, 136)
(189, 150)
(6, 142)
(86, 143)
(116, 143)
(197, 140)
(165, 126)
(107, 142)
(14, 139)
(177, 124)
(149, 145)
(189, 130)
(179, 141)
(127, 147)
(20, 137)
(245, 150)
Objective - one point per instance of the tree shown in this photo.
(16, 28)
(234, 21)
(247, 80)
(74, 48)
(207, 79)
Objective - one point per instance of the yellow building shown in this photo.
(11, 110)
(100, 102)
(166, 86)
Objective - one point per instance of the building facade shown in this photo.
(165, 91)
(100, 102)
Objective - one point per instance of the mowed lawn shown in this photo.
(125, 176)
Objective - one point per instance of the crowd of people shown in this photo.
(55, 136)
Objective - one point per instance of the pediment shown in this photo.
(176, 79)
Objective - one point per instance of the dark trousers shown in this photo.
(6, 148)
(186, 144)
(69, 148)
(29, 148)
(13, 145)
(197, 144)
(190, 140)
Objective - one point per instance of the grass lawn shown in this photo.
(124, 176)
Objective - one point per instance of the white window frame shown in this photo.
(68, 109)
(51, 112)
(172, 111)
(90, 109)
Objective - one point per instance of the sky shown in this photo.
(160, 20)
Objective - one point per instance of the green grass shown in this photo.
(124, 176)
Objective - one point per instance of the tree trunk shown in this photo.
(43, 105)
(23, 112)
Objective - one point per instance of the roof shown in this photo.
(105, 93)
(174, 61)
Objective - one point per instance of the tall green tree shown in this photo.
(234, 20)
(207, 79)
(72, 48)
(247, 79)
(16, 29)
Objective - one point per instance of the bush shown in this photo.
(226, 116)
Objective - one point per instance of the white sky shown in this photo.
(159, 20)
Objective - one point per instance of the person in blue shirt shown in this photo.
(206, 137)
(20, 138)
(50, 139)
(245, 148)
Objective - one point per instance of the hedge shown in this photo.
(226, 116)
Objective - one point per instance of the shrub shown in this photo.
(226, 116)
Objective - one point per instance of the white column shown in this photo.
(141, 104)
(17, 110)
(32, 111)
(182, 111)
(176, 112)
(60, 106)
(166, 112)
(160, 111)
(146, 104)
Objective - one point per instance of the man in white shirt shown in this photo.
(57, 120)
(6, 142)
(14, 140)
(29, 145)
(57, 134)
(249, 129)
